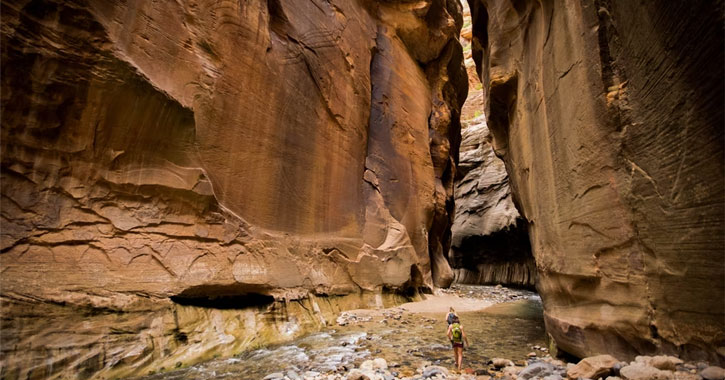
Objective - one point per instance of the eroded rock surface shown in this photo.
(490, 243)
(609, 117)
(207, 148)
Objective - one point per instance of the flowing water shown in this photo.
(506, 330)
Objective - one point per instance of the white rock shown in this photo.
(380, 363)
(367, 365)
(500, 363)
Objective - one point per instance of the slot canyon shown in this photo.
(189, 180)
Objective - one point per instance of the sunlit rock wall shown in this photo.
(609, 116)
(222, 148)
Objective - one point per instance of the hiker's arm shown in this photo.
(450, 336)
(465, 338)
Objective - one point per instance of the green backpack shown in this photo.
(456, 332)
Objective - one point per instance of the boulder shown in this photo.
(380, 363)
(537, 370)
(639, 371)
(713, 373)
(663, 362)
(593, 367)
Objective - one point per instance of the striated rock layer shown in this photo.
(490, 242)
(609, 116)
(201, 149)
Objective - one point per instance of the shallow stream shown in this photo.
(506, 330)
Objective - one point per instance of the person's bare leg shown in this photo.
(459, 358)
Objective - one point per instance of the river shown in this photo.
(405, 339)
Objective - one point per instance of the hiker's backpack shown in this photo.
(456, 332)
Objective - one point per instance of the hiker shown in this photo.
(457, 336)
(450, 315)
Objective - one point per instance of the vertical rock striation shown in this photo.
(490, 241)
(200, 149)
(609, 117)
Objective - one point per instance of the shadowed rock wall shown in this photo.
(490, 241)
(223, 148)
(609, 116)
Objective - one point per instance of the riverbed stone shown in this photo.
(274, 376)
(380, 363)
(367, 365)
(512, 371)
(538, 369)
(434, 370)
(640, 371)
(593, 367)
(686, 375)
(554, 376)
(358, 374)
(500, 362)
(663, 362)
(713, 373)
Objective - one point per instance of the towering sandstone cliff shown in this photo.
(250, 151)
(609, 116)
(489, 240)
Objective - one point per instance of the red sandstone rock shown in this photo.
(609, 117)
(203, 149)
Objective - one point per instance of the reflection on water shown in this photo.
(505, 330)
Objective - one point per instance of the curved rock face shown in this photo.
(490, 242)
(609, 117)
(211, 148)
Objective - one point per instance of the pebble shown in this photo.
(539, 368)
(500, 363)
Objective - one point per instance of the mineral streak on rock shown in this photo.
(609, 117)
(222, 148)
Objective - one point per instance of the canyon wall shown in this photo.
(609, 117)
(157, 154)
(490, 242)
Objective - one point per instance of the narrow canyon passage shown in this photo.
(201, 185)
(490, 241)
